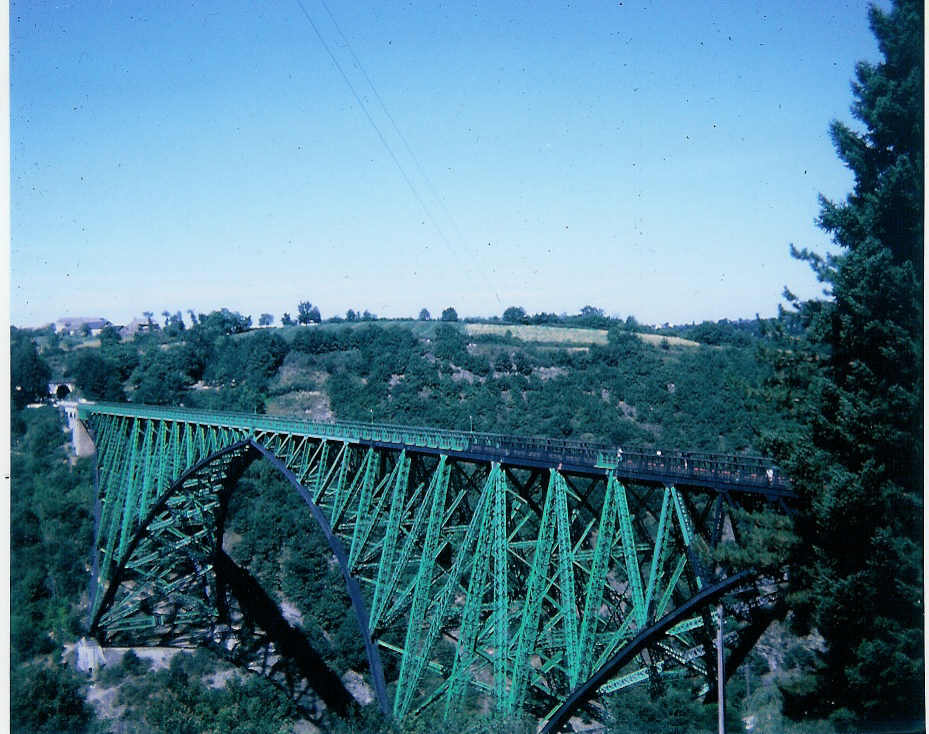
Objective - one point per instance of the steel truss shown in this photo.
(519, 581)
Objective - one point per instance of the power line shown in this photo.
(373, 124)
(435, 192)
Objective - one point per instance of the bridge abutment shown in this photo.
(80, 438)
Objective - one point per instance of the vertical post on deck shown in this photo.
(720, 674)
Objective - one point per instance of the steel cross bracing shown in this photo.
(507, 568)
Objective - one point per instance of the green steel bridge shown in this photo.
(535, 574)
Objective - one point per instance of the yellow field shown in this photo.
(563, 335)
(532, 333)
(674, 341)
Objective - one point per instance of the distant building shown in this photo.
(136, 325)
(78, 324)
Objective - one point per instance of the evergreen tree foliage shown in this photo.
(852, 389)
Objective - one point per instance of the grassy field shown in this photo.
(548, 334)
(556, 335)
(674, 341)
(564, 335)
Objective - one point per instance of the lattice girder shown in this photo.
(526, 577)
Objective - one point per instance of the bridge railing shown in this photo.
(340, 430)
(724, 468)
(711, 467)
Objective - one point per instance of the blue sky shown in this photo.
(654, 159)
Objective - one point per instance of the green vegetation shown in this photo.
(420, 372)
(852, 389)
(832, 388)
(48, 698)
(179, 701)
(28, 374)
(50, 533)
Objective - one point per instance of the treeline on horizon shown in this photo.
(738, 332)
(625, 391)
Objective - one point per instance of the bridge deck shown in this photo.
(721, 472)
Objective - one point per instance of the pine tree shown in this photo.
(852, 386)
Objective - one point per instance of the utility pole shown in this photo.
(720, 673)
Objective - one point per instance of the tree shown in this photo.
(515, 315)
(109, 336)
(48, 699)
(286, 320)
(308, 313)
(545, 318)
(29, 373)
(224, 321)
(424, 315)
(161, 378)
(522, 363)
(853, 386)
(96, 376)
(350, 315)
(266, 319)
(174, 325)
(503, 362)
(449, 314)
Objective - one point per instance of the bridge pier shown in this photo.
(80, 438)
(89, 655)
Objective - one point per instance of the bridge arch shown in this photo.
(588, 689)
(233, 460)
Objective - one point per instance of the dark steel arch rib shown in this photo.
(252, 450)
(139, 534)
(588, 689)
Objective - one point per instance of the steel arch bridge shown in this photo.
(537, 574)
